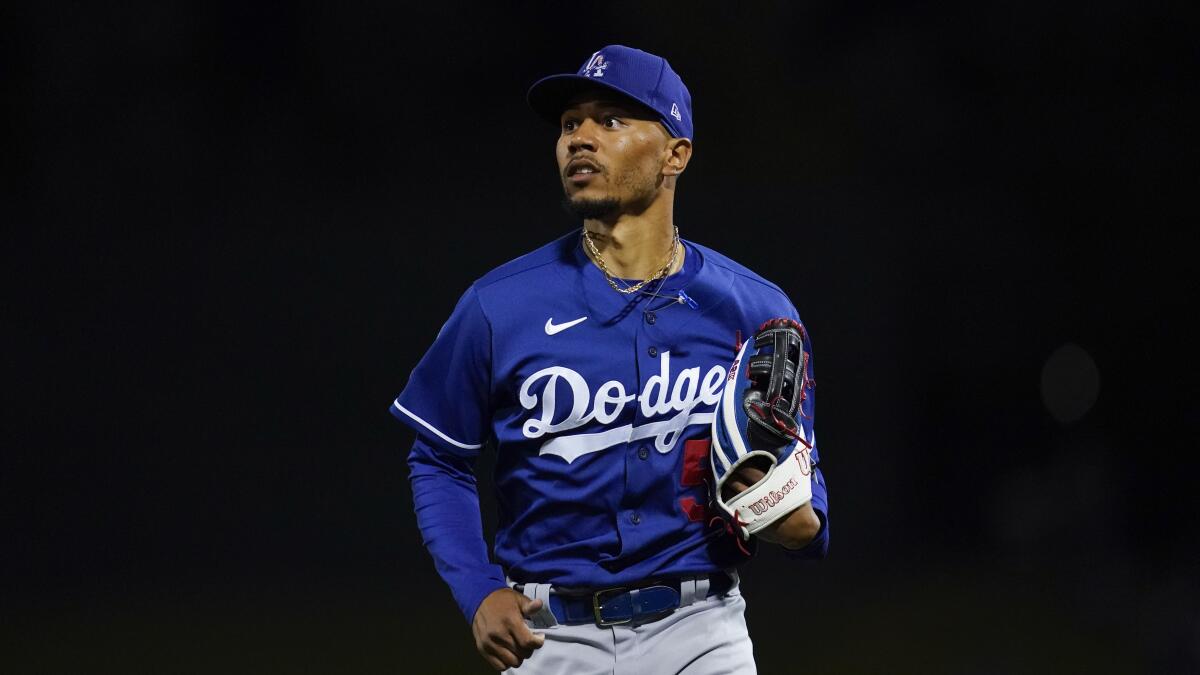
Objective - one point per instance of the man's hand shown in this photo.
(792, 531)
(501, 635)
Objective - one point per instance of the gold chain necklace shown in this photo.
(662, 272)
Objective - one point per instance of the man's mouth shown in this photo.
(581, 170)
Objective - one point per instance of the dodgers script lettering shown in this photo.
(661, 396)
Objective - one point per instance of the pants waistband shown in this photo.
(635, 604)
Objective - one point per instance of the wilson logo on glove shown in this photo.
(773, 498)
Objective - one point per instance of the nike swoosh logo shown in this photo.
(552, 328)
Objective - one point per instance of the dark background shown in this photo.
(232, 229)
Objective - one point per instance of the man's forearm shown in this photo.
(446, 503)
(796, 530)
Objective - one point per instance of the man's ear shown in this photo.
(678, 152)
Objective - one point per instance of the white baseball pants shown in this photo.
(707, 637)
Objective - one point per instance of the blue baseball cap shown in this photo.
(639, 75)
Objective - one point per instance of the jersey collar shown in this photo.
(707, 284)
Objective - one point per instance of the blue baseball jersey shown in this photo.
(598, 405)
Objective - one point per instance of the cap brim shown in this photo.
(549, 96)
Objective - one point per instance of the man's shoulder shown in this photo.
(751, 298)
(547, 259)
(740, 274)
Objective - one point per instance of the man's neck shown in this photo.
(635, 246)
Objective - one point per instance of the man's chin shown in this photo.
(590, 208)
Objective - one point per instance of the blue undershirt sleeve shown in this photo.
(819, 547)
(446, 503)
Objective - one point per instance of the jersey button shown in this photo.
(651, 318)
(653, 352)
(643, 453)
(635, 517)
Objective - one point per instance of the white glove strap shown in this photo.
(785, 488)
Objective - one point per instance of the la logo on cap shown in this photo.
(595, 67)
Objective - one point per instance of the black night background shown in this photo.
(231, 229)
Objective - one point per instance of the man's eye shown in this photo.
(569, 125)
(611, 122)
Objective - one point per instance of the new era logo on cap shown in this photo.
(644, 77)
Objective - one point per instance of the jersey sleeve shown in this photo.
(448, 392)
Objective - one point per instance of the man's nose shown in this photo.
(584, 137)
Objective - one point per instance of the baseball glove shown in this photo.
(756, 424)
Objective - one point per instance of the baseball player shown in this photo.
(649, 401)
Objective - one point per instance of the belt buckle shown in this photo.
(596, 602)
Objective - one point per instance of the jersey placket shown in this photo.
(641, 518)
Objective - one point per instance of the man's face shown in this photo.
(610, 155)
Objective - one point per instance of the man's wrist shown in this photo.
(482, 595)
(799, 528)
